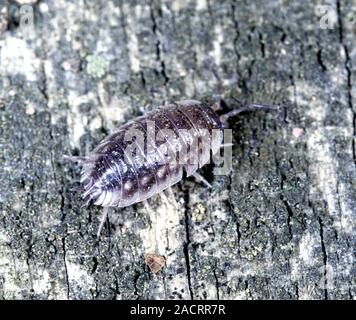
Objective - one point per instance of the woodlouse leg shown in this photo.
(102, 220)
(164, 198)
(147, 206)
(86, 203)
(246, 108)
(79, 188)
(200, 178)
(78, 159)
(153, 223)
(172, 197)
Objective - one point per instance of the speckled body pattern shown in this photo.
(112, 179)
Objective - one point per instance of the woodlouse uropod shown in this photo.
(117, 175)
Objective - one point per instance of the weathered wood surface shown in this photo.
(280, 226)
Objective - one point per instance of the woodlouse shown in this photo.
(116, 174)
(112, 177)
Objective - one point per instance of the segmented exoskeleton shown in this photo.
(113, 175)
(149, 154)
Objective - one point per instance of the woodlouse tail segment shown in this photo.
(86, 182)
(92, 184)
(164, 198)
(99, 196)
(89, 193)
(246, 108)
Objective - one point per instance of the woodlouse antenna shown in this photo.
(164, 198)
(246, 108)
